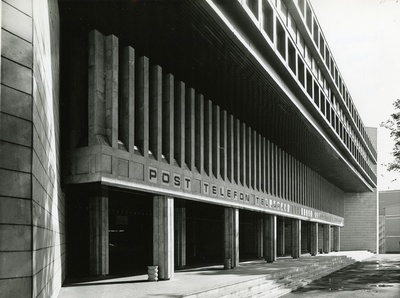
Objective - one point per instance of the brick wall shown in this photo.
(31, 201)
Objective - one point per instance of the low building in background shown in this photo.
(389, 214)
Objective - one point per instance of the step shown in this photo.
(279, 283)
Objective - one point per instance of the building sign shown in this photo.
(229, 192)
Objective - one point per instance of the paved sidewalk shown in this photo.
(378, 276)
(188, 281)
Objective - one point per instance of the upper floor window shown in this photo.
(253, 5)
(308, 17)
(301, 6)
(268, 19)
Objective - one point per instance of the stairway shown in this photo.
(281, 281)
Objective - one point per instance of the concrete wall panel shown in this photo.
(16, 103)
(15, 265)
(16, 49)
(15, 211)
(17, 287)
(20, 236)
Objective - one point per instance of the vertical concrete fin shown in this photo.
(199, 133)
(180, 123)
(168, 118)
(142, 106)
(208, 137)
(236, 152)
(216, 156)
(243, 159)
(155, 112)
(189, 128)
(249, 153)
(96, 85)
(223, 144)
(111, 89)
(127, 108)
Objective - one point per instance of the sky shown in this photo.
(364, 38)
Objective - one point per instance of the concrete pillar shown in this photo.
(296, 238)
(313, 238)
(231, 235)
(281, 236)
(336, 238)
(270, 238)
(163, 236)
(98, 230)
(326, 238)
(180, 234)
(259, 231)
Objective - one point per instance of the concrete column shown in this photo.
(336, 238)
(163, 236)
(98, 230)
(296, 238)
(326, 238)
(270, 238)
(180, 234)
(231, 235)
(281, 236)
(313, 238)
(259, 231)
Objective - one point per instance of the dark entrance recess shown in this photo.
(77, 230)
(247, 235)
(130, 232)
(204, 232)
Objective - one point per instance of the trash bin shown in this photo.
(227, 264)
(152, 272)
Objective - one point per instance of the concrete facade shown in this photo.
(170, 146)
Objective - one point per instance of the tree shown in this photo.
(393, 124)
